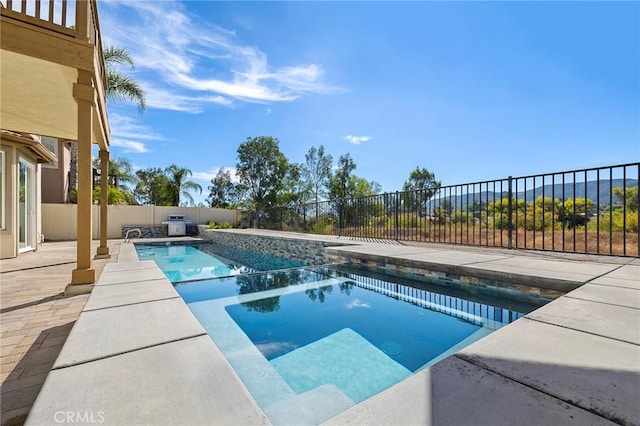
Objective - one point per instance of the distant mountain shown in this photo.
(589, 190)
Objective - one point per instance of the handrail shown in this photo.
(74, 18)
(59, 16)
(126, 235)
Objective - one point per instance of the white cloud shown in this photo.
(126, 126)
(192, 62)
(129, 145)
(275, 347)
(358, 304)
(357, 140)
(172, 100)
(127, 133)
(210, 174)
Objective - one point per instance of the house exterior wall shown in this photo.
(59, 220)
(55, 182)
(9, 233)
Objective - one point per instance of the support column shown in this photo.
(84, 274)
(103, 250)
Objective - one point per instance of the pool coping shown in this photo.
(599, 320)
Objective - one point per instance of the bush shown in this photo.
(223, 225)
(618, 222)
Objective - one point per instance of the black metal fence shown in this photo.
(581, 211)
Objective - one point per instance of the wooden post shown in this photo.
(83, 93)
(103, 250)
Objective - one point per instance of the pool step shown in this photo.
(310, 408)
(344, 359)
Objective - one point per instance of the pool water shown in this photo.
(196, 291)
(409, 334)
(311, 342)
(181, 262)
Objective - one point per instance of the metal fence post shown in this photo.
(637, 209)
(397, 224)
(510, 220)
(340, 214)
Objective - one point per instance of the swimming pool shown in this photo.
(309, 343)
(181, 262)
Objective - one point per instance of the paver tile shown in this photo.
(120, 277)
(452, 257)
(20, 398)
(455, 392)
(615, 322)
(129, 266)
(626, 276)
(621, 296)
(127, 294)
(561, 270)
(567, 364)
(111, 331)
(24, 382)
(169, 384)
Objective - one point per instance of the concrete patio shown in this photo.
(137, 355)
(35, 319)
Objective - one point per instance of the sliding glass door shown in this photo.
(26, 205)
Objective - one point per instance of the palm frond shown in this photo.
(122, 88)
(191, 185)
(117, 55)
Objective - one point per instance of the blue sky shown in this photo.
(470, 90)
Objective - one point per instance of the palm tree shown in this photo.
(121, 170)
(120, 87)
(179, 185)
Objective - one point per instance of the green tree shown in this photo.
(627, 197)
(341, 186)
(421, 178)
(262, 169)
(292, 192)
(542, 213)
(114, 195)
(179, 185)
(121, 177)
(120, 169)
(315, 173)
(223, 193)
(579, 206)
(151, 188)
(363, 188)
(119, 86)
(419, 188)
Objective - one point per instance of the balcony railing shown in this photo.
(591, 211)
(71, 18)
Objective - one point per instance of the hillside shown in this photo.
(589, 190)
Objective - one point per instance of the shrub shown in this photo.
(223, 225)
(618, 222)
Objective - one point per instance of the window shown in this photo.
(52, 145)
(2, 189)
